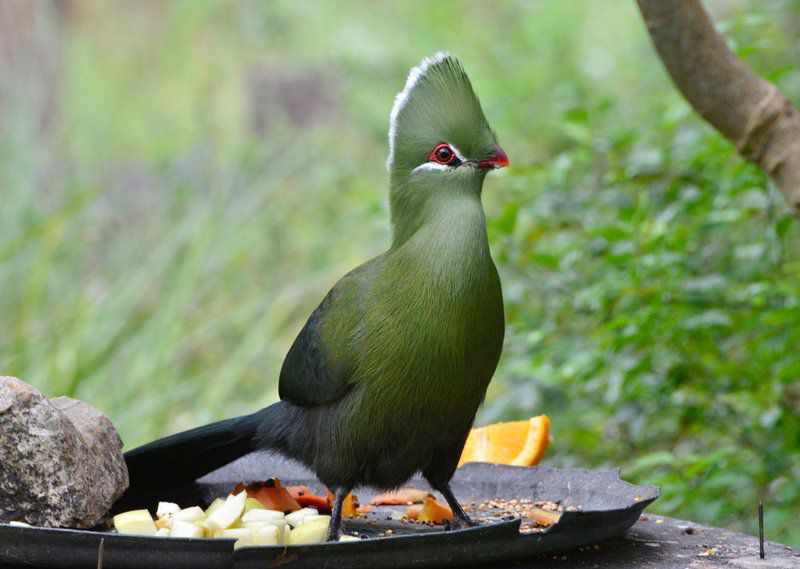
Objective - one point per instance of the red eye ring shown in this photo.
(442, 154)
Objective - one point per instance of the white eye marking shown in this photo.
(431, 166)
(457, 153)
(414, 76)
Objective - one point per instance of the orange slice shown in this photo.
(519, 443)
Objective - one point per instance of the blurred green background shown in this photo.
(181, 183)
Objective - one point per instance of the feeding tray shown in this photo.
(599, 506)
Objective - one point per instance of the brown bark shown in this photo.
(748, 110)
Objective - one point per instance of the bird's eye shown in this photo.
(443, 154)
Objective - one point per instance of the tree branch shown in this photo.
(748, 110)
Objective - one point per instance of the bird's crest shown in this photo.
(436, 101)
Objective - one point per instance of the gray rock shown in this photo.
(104, 447)
(61, 462)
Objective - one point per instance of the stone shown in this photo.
(104, 447)
(61, 461)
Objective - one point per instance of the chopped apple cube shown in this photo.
(214, 505)
(163, 523)
(181, 528)
(135, 522)
(193, 514)
(312, 517)
(296, 518)
(346, 537)
(166, 509)
(228, 513)
(315, 531)
(262, 515)
(267, 535)
(243, 536)
(281, 525)
(253, 504)
(19, 524)
(162, 532)
(283, 529)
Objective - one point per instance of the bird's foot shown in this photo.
(336, 514)
(333, 533)
(460, 523)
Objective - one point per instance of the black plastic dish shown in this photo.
(607, 506)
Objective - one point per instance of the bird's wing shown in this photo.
(320, 364)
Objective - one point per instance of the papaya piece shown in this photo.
(436, 512)
(543, 517)
(349, 506)
(276, 498)
(254, 487)
(297, 491)
(270, 493)
(413, 512)
(320, 503)
(401, 497)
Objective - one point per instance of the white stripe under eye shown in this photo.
(431, 166)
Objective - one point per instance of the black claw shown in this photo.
(461, 519)
(462, 523)
(333, 535)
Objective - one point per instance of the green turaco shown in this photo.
(386, 376)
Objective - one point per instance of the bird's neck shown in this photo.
(448, 213)
(445, 251)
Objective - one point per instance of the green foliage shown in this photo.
(158, 255)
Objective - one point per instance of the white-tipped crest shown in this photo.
(414, 76)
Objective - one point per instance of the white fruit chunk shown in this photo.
(218, 502)
(252, 503)
(181, 528)
(135, 522)
(228, 513)
(315, 531)
(19, 524)
(312, 517)
(268, 535)
(261, 515)
(162, 532)
(283, 529)
(243, 536)
(346, 537)
(166, 509)
(281, 526)
(193, 514)
(296, 518)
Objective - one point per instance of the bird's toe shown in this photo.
(460, 523)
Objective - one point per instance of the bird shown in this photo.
(386, 376)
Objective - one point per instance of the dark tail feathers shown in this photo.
(184, 457)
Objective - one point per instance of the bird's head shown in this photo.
(439, 139)
(437, 128)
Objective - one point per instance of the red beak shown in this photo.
(499, 160)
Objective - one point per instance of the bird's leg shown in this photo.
(336, 513)
(461, 518)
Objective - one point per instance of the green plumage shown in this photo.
(415, 334)
(385, 378)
